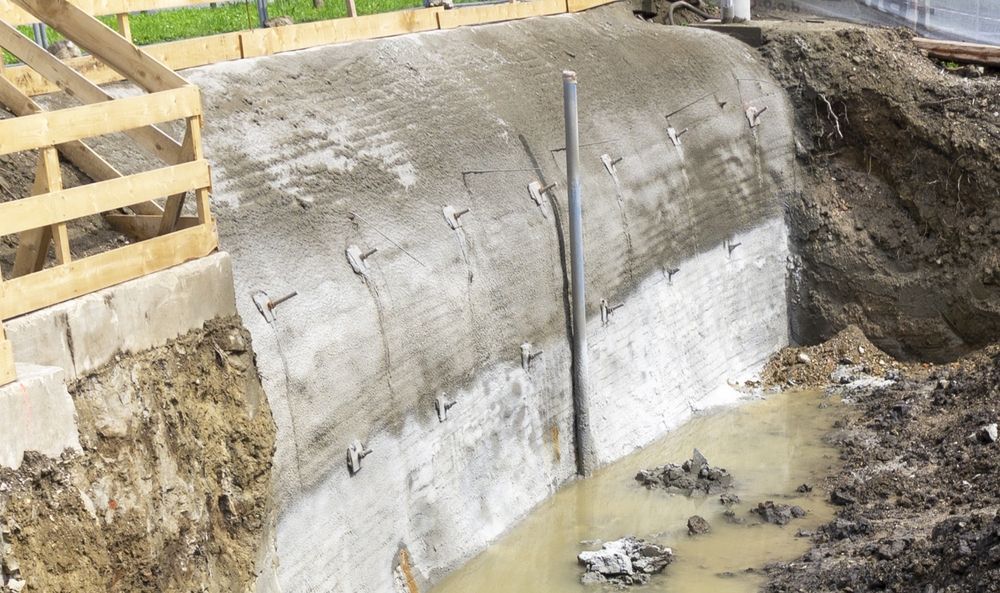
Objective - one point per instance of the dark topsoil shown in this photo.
(896, 228)
(896, 232)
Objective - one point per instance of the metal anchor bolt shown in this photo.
(355, 453)
(357, 259)
(442, 406)
(675, 136)
(266, 305)
(452, 216)
(753, 115)
(607, 310)
(527, 356)
(671, 272)
(535, 190)
(733, 246)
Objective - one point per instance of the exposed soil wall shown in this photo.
(896, 226)
(171, 490)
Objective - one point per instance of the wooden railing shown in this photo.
(189, 53)
(147, 206)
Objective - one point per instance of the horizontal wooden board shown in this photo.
(76, 123)
(84, 200)
(84, 276)
(263, 42)
(579, 5)
(492, 13)
(15, 16)
(975, 53)
(177, 55)
(140, 227)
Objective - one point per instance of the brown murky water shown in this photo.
(770, 447)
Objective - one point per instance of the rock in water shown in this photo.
(694, 475)
(778, 514)
(698, 525)
(627, 561)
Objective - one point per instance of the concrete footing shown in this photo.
(37, 414)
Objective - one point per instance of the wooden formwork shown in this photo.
(146, 206)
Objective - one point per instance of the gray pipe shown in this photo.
(581, 388)
(262, 12)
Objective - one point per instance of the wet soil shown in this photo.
(919, 491)
(896, 226)
(170, 491)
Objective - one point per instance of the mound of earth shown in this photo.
(896, 225)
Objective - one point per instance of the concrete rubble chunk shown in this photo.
(777, 514)
(697, 525)
(626, 561)
(694, 475)
(988, 434)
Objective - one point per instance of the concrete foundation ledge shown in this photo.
(36, 414)
(81, 335)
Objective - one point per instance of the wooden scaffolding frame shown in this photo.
(146, 206)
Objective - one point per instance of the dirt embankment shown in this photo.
(170, 492)
(919, 491)
(896, 227)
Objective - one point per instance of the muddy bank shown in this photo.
(896, 225)
(170, 490)
(919, 491)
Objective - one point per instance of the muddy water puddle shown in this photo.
(770, 446)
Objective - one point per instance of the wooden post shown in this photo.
(124, 27)
(7, 372)
(203, 195)
(33, 245)
(352, 10)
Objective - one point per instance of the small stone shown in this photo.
(804, 488)
(987, 434)
(803, 358)
(729, 499)
(842, 497)
(698, 460)
(698, 525)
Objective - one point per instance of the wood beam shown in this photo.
(124, 26)
(974, 53)
(140, 227)
(16, 16)
(8, 373)
(57, 127)
(150, 138)
(33, 243)
(89, 274)
(86, 200)
(109, 47)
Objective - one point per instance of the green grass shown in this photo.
(185, 23)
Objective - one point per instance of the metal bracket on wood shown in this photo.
(355, 453)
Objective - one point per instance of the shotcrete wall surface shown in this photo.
(363, 144)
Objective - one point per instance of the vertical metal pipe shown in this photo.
(38, 29)
(262, 12)
(581, 388)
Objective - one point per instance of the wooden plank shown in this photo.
(150, 138)
(84, 276)
(177, 55)
(973, 53)
(493, 13)
(140, 227)
(263, 42)
(580, 5)
(352, 9)
(78, 153)
(57, 127)
(106, 45)
(16, 16)
(33, 244)
(124, 26)
(748, 33)
(85, 200)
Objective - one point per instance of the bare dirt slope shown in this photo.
(170, 492)
(897, 222)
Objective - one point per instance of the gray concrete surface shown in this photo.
(392, 131)
(36, 414)
(82, 335)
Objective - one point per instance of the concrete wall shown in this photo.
(72, 340)
(364, 144)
